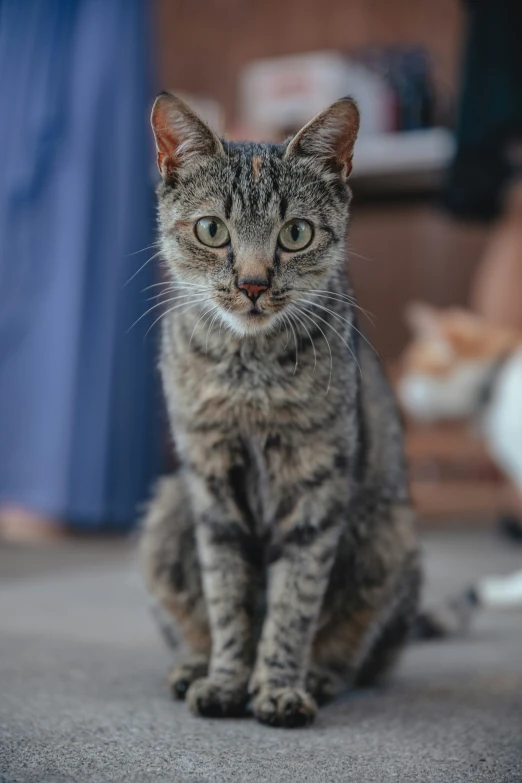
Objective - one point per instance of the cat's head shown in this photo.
(449, 362)
(250, 228)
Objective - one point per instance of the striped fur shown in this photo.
(284, 545)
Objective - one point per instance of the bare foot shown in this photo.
(22, 526)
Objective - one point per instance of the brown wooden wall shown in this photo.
(410, 252)
(204, 43)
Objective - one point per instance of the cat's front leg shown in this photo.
(302, 560)
(224, 546)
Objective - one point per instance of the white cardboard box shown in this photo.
(280, 95)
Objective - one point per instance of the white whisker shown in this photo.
(186, 284)
(340, 337)
(162, 293)
(173, 291)
(212, 322)
(340, 318)
(188, 305)
(295, 341)
(309, 336)
(160, 304)
(301, 311)
(155, 285)
(340, 297)
(221, 319)
(148, 247)
(142, 267)
(212, 307)
(174, 285)
(285, 321)
(353, 253)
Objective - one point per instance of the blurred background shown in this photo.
(435, 215)
(436, 219)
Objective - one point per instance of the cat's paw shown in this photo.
(320, 685)
(218, 698)
(181, 677)
(285, 707)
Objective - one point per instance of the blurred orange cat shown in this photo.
(458, 366)
(455, 359)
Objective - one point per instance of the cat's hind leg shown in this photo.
(343, 659)
(323, 684)
(171, 564)
(357, 645)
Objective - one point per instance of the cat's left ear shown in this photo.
(330, 137)
(181, 136)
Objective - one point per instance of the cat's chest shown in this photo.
(257, 484)
(248, 393)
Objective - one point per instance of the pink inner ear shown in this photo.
(345, 156)
(167, 141)
(180, 134)
(167, 145)
(345, 126)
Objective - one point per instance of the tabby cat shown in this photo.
(284, 545)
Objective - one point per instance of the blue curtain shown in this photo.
(78, 399)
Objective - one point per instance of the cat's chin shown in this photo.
(248, 324)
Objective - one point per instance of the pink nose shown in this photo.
(253, 287)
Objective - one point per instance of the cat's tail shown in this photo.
(452, 618)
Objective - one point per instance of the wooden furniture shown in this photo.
(452, 476)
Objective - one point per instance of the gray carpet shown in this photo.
(82, 694)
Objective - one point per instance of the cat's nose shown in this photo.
(253, 287)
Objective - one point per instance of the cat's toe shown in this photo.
(320, 685)
(181, 677)
(213, 698)
(284, 707)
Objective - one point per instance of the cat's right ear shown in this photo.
(329, 137)
(181, 136)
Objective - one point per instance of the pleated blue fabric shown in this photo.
(78, 391)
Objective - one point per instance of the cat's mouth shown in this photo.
(255, 312)
(251, 320)
(253, 317)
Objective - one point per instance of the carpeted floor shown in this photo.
(82, 696)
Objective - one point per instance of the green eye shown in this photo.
(295, 235)
(212, 231)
